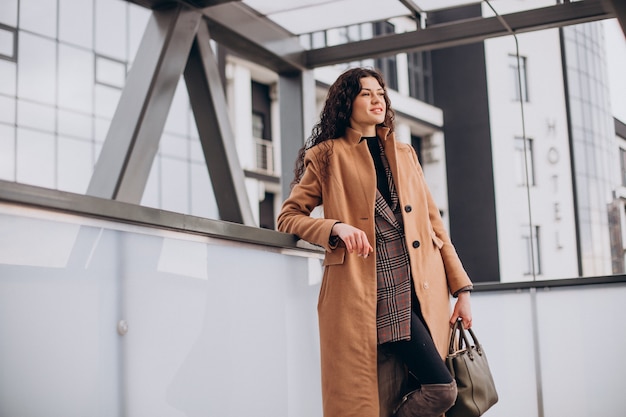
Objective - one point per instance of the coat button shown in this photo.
(416, 244)
(408, 208)
(425, 285)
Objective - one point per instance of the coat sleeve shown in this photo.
(455, 272)
(305, 196)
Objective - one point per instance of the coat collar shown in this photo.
(354, 136)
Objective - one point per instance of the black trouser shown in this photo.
(420, 354)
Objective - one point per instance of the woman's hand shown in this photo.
(462, 309)
(354, 239)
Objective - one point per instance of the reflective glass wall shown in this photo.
(595, 150)
(63, 66)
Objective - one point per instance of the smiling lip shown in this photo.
(377, 110)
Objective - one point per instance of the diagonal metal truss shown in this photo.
(216, 136)
(176, 40)
(132, 141)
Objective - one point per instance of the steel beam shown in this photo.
(208, 102)
(244, 31)
(296, 98)
(254, 37)
(132, 141)
(619, 8)
(157, 4)
(462, 32)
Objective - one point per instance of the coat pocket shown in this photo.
(438, 242)
(336, 257)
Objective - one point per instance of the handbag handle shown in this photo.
(463, 343)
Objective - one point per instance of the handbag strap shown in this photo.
(479, 347)
(457, 337)
(462, 340)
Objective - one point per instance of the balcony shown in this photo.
(264, 156)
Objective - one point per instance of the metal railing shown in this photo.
(110, 308)
(264, 156)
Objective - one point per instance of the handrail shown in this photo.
(66, 202)
(15, 193)
(548, 283)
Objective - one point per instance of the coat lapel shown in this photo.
(383, 210)
(389, 148)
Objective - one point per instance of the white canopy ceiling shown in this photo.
(306, 16)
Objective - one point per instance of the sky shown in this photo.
(616, 60)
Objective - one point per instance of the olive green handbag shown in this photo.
(469, 367)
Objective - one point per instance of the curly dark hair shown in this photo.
(335, 116)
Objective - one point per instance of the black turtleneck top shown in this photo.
(381, 176)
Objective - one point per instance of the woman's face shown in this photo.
(368, 108)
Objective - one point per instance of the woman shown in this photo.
(389, 266)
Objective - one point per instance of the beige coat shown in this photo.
(347, 299)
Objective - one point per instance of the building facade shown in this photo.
(517, 143)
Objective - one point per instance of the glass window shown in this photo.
(76, 22)
(174, 185)
(111, 29)
(258, 125)
(367, 31)
(74, 124)
(576, 113)
(519, 91)
(75, 164)
(197, 154)
(7, 43)
(387, 65)
(582, 192)
(354, 33)
(417, 142)
(37, 68)
(75, 79)
(531, 250)
(7, 77)
(7, 110)
(573, 84)
(524, 161)
(266, 211)
(106, 100)
(101, 128)
(591, 153)
(35, 115)
(110, 72)
(7, 153)
(34, 164)
(336, 36)
(8, 12)
(138, 18)
(420, 76)
(318, 39)
(39, 17)
(202, 203)
(174, 146)
(305, 41)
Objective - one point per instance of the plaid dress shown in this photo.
(393, 275)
